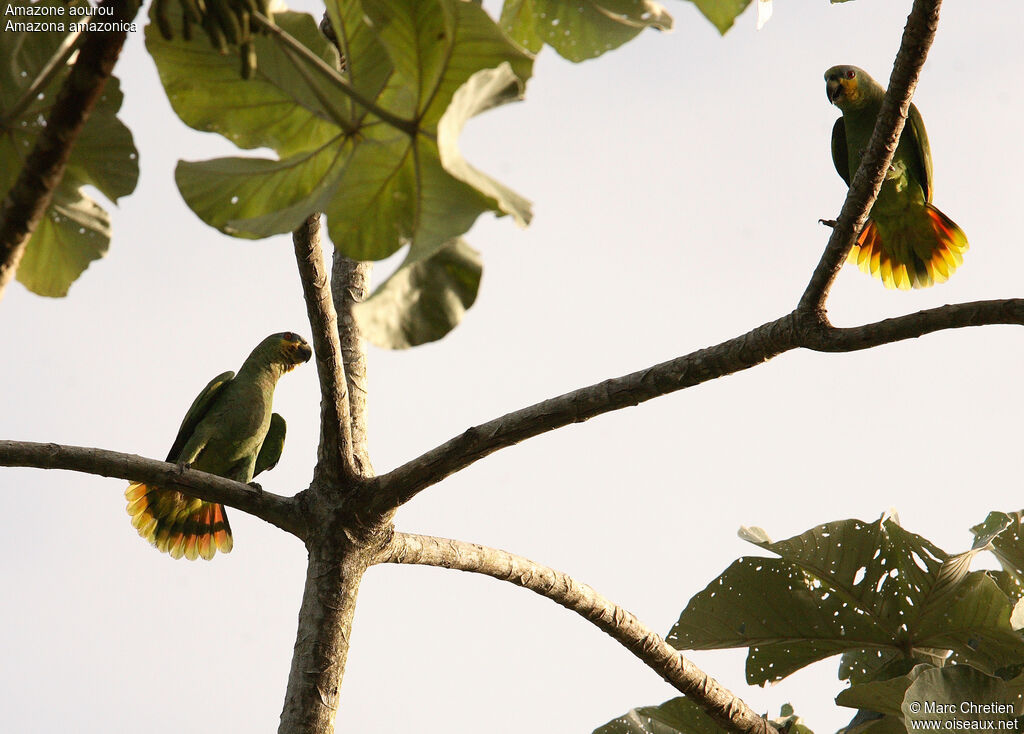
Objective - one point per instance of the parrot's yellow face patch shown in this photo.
(295, 350)
(842, 85)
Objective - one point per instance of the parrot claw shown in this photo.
(828, 222)
(183, 466)
(256, 486)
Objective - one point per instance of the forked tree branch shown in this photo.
(334, 456)
(720, 704)
(808, 326)
(918, 35)
(276, 510)
(912, 326)
(788, 332)
(25, 204)
(402, 484)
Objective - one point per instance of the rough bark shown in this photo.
(26, 203)
(333, 575)
(334, 456)
(727, 709)
(345, 540)
(351, 285)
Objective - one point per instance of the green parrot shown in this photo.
(906, 241)
(230, 431)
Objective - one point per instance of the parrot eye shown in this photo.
(850, 74)
(289, 336)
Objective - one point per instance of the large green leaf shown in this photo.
(882, 696)
(75, 230)
(382, 186)
(423, 300)
(279, 108)
(939, 694)
(849, 586)
(580, 29)
(722, 13)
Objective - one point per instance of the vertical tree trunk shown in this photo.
(341, 545)
(321, 644)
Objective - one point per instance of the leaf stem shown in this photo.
(409, 127)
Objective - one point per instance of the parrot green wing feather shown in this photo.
(199, 408)
(840, 155)
(922, 163)
(273, 445)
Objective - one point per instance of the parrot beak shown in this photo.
(834, 90)
(305, 351)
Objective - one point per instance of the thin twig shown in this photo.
(273, 508)
(867, 181)
(334, 457)
(720, 704)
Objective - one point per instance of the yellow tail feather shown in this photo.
(915, 255)
(177, 524)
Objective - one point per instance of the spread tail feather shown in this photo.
(178, 524)
(915, 256)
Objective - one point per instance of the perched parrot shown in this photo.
(229, 430)
(906, 241)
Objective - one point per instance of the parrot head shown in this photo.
(287, 349)
(847, 86)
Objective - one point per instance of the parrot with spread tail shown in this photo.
(906, 242)
(230, 431)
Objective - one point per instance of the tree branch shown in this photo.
(25, 204)
(756, 346)
(917, 39)
(334, 456)
(350, 282)
(911, 326)
(720, 704)
(276, 510)
(398, 486)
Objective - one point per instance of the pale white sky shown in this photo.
(677, 186)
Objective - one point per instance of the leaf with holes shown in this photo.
(580, 29)
(75, 230)
(848, 586)
(423, 300)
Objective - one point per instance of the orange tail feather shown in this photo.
(911, 257)
(178, 524)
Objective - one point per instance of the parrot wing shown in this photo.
(840, 154)
(922, 152)
(199, 408)
(273, 444)
(172, 521)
